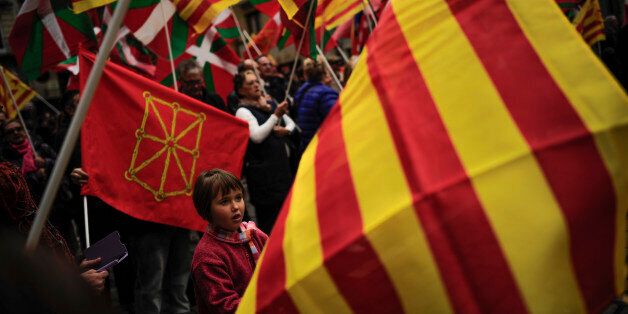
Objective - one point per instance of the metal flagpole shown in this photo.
(167, 30)
(51, 107)
(328, 66)
(296, 57)
(248, 37)
(75, 126)
(85, 215)
(17, 110)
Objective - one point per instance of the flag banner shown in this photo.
(199, 14)
(22, 93)
(226, 26)
(500, 183)
(79, 6)
(214, 55)
(297, 27)
(332, 13)
(47, 32)
(269, 36)
(589, 22)
(291, 7)
(143, 144)
(267, 7)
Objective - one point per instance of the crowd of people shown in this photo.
(162, 258)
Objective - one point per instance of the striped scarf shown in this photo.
(243, 236)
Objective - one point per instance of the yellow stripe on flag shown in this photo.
(595, 95)
(210, 14)
(18, 88)
(189, 9)
(335, 11)
(302, 247)
(290, 7)
(501, 166)
(84, 5)
(390, 222)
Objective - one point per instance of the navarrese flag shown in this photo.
(475, 163)
(143, 145)
(22, 93)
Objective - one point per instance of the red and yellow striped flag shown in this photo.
(589, 22)
(291, 7)
(332, 13)
(475, 163)
(79, 6)
(199, 14)
(22, 93)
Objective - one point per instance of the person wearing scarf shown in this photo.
(225, 258)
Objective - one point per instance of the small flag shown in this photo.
(22, 93)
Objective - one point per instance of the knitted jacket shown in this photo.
(221, 270)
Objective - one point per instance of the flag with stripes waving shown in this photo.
(501, 146)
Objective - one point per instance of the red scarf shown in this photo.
(28, 156)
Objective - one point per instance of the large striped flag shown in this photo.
(22, 93)
(200, 13)
(589, 22)
(332, 13)
(475, 163)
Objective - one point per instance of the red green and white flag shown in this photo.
(47, 32)
(145, 19)
(501, 177)
(269, 36)
(200, 14)
(214, 55)
(226, 25)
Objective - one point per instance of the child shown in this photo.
(225, 258)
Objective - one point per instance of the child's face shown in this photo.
(227, 210)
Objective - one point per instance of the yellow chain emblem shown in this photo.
(171, 147)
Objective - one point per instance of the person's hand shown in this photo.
(281, 109)
(95, 279)
(79, 176)
(280, 131)
(89, 263)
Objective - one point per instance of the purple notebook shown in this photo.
(110, 249)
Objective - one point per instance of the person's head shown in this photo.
(191, 79)
(266, 67)
(48, 123)
(247, 85)
(69, 101)
(218, 197)
(13, 132)
(312, 70)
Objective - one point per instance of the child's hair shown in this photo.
(209, 185)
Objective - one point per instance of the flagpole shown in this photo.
(328, 66)
(372, 11)
(75, 126)
(174, 73)
(17, 110)
(342, 54)
(248, 37)
(85, 215)
(368, 17)
(51, 107)
(246, 48)
(296, 57)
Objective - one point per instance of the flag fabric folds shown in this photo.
(79, 6)
(501, 177)
(332, 13)
(143, 144)
(47, 32)
(589, 22)
(267, 7)
(291, 7)
(200, 13)
(22, 93)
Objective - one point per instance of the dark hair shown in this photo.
(239, 79)
(186, 66)
(209, 185)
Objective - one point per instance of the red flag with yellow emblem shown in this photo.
(144, 144)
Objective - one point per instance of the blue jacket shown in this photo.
(313, 100)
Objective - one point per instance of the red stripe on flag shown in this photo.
(272, 296)
(348, 255)
(471, 262)
(196, 16)
(563, 146)
(342, 13)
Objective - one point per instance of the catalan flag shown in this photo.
(79, 6)
(475, 163)
(291, 7)
(589, 22)
(332, 13)
(200, 13)
(22, 93)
